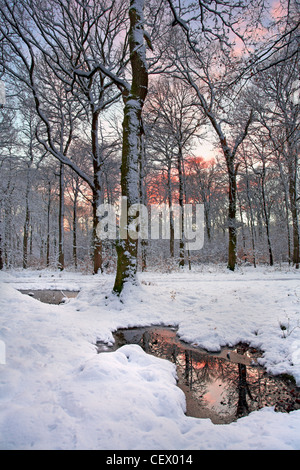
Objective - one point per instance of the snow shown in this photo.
(56, 392)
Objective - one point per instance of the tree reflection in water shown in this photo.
(220, 386)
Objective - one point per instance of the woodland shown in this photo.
(162, 102)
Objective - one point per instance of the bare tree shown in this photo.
(174, 114)
(279, 42)
(75, 49)
(31, 152)
(78, 58)
(202, 180)
(7, 142)
(278, 113)
(134, 96)
(229, 116)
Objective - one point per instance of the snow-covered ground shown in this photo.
(56, 392)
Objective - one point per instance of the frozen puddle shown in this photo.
(220, 386)
(49, 296)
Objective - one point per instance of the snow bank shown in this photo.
(57, 393)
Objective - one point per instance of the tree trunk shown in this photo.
(1, 255)
(288, 232)
(181, 201)
(207, 219)
(97, 243)
(26, 226)
(61, 258)
(132, 144)
(231, 214)
(30, 240)
(8, 236)
(293, 203)
(97, 191)
(48, 225)
(266, 215)
(26, 235)
(292, 172)
(143, 199)
(27, 215)
(251, 219)
(170, 200)
(75, 224)
(285, 186)
(245, 254)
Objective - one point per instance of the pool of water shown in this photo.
(221, 386)
(50, 296)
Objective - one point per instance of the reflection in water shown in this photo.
(222, 387)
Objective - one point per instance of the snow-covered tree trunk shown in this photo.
(48, 224)
(1, 256)
(143, 200)
(26, 230)
(27, 198)
(292, 157)
(266, 213)
(132, 143)
(294, 211)
(61, 256)
(97, 190)
(251, 216)
(170, 201)
(232, 202)
(76, 191)
(181, 204)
